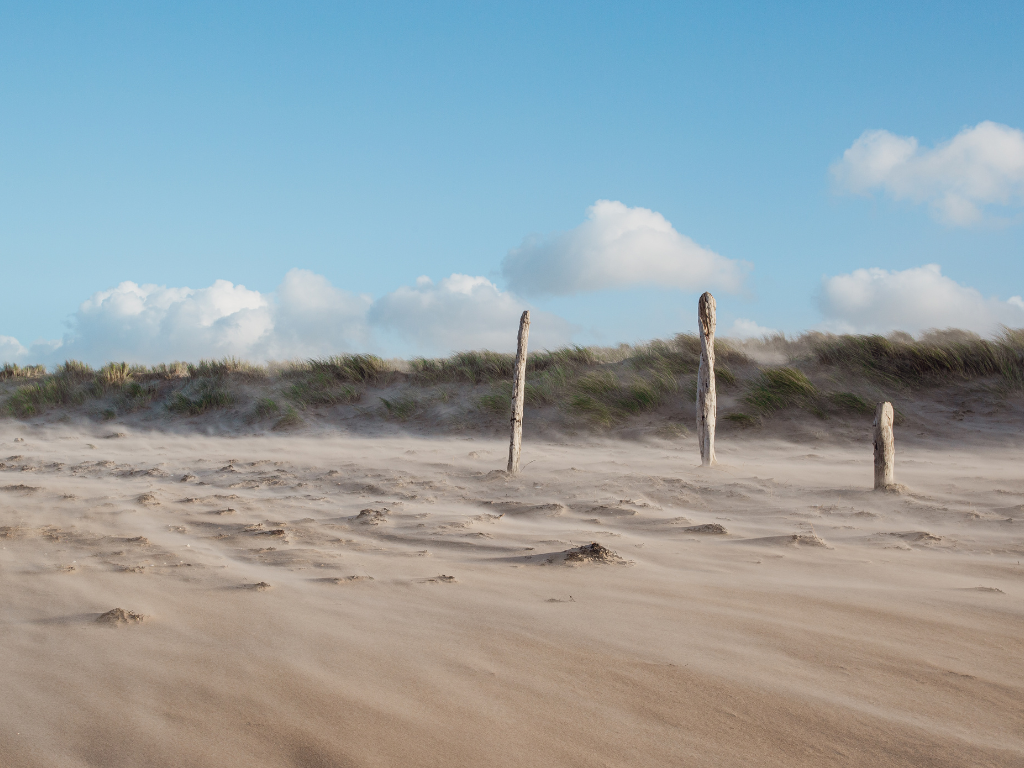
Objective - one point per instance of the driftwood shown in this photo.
(885, 448)
(707, 400)
(518, 394)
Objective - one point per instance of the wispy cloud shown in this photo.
(617, 246)
(912, 300)
(747, 329)
(959, 179)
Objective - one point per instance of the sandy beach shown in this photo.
(339, 600)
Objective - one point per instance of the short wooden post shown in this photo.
(885, 447)
(518, 395)
(707, 400)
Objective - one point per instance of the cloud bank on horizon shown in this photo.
(615, 247)
(305, 317)
(911, 300)
(980, 167)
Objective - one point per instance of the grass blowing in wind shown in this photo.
(595, 388)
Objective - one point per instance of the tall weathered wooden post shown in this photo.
(885, 447)
(518, 395)
(707, 400)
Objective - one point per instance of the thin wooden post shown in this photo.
(885, 447)
(707, 400)
(518, 395)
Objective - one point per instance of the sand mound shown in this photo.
(592, 553)
(372, 516)
(792, 540)
(119, 616)
(522, 508)
(343, 579)
(712, 528)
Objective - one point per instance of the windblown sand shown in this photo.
(395, 601)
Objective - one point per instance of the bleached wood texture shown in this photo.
(707, 400)
(885, 447)
(518, 394)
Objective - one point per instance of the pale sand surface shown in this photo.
(899, 642)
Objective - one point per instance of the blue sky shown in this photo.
(371, 144)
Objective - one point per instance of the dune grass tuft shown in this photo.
(227, 366)
(902, 361)
(15, 371)
(290, 419)
(848, 401)
(474, 367)
(135, 395)
(356, 369)
(743, 420)
(778, 388)
(199, 396)
(401, 408)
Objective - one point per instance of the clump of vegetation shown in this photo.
(265, 408)
(135, 395)
(200, 396)
(62, 388)
(176, 370)
(902, 361)
(744, 420)
(113, 376)
(603, 399)
(361, 369)
(474, 367)
(400, 408)
(779, 388)
(15, 371)
(228, 366)
(848, 401)
(320, 388)
(573, 357)
(289, 419)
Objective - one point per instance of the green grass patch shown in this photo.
(602, 398)
(321, 388)
(33, 399)
(15, 371)
(355, 369)
(227, 366)
(937, 357)
(135, 395)
(848, 401)
(474, 367)
(779, 388)
(200, 396)
(290, 419)
(744, 420)
(264, 408)
(400, 408)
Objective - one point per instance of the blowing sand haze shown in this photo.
(260, 598)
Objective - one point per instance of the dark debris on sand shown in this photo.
(592, 553)
(119, 617)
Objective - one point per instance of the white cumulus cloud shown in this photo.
(462, 312)
(618, 246)
(11, 349)
(912, 300)
(978, 167)
(305, 317)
